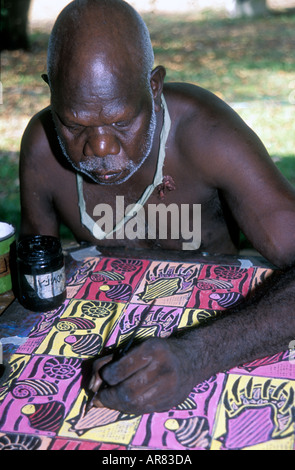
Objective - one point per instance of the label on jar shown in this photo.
(47, 285)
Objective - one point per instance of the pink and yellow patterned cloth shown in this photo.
(42, 402)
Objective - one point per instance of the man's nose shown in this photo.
(101, 143)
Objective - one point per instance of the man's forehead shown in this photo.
(115, 105)
(99, 73)
(100, 76)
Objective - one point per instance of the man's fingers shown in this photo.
(96, 379)
(120, 370)
(130, 396)
(150, 378)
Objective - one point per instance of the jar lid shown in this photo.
(37, 248)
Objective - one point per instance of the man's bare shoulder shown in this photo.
(194, 102)
(46, 179)
(40, 145)
(207, 131)
(35, 134)
(197, 110)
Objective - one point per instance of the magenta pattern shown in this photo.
(42, 402)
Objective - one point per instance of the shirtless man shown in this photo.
(108, 110)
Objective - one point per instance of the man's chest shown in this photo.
(185, 216)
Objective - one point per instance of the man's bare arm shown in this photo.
(37, 210)
(261, 200)
(160, 373)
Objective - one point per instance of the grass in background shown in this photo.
(248, 63)
(242, 59)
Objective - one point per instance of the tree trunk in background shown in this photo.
(239, 8)
(14, 23)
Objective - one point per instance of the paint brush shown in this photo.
(119, 353)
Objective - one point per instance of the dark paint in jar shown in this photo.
(41, 273)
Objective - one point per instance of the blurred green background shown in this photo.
(250, 63)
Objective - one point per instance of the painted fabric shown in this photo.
(42, 402)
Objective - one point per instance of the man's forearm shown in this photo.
(262, 326)
(158, 373)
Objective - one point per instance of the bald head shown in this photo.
(104, 93)
(107, 39)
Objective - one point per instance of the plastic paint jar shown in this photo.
(41, 273)
(7, 238)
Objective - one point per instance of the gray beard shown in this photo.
(90, 164)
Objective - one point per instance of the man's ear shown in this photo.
(45, 78)
(157, 83)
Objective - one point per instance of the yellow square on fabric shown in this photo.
(99, 424)
(68, 338)
(255, 412)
